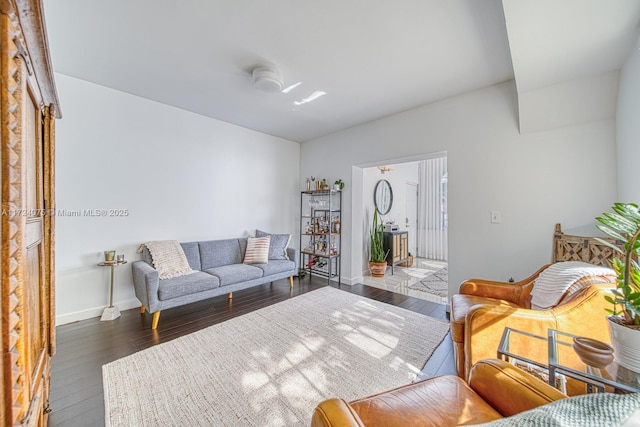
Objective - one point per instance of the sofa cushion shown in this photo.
(216, 253)
(440, 401)
(278, 245)
(276, 266)
(192, 252)
(257, 250)
(235, 273)
(185, 285)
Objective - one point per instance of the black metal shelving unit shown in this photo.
(321, 233)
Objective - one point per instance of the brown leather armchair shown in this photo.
(496, 389)
(482, 309)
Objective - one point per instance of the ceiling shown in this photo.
(372, 58)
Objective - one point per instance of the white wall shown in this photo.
(628, 129)
(565, 175)
(180, 176)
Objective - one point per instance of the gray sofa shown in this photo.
(219, 270)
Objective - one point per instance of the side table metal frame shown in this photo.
(111, 312)
(592, 380)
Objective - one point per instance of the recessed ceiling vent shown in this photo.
(267, 78)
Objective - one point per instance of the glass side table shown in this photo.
(562, 355)
(515, 344)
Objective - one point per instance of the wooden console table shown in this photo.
(397, 242)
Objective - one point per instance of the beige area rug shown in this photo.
(272, 367)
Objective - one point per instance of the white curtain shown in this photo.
(432, 209)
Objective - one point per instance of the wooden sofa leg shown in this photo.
(291, 281)
(142, 309)
(230, 295)
(156, 317)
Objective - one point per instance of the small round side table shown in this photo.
(111, 312)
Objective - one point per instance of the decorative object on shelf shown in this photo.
(624, 320)
(377, 254)
(390, 226)
(338, 185)
(593, 352)
(383, 196)
(120, 258)
(109, 256)
(308, 184)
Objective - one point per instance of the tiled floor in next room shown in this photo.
(426, 279)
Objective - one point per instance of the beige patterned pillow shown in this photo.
(257, 250)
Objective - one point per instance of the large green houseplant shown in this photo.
(623, 224)
(377, 254)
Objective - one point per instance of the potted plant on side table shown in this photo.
(624, 320)
(377, 254)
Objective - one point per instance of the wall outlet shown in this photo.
(495, 217)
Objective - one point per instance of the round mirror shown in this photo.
(383, 197)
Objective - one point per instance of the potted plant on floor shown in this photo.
(377, 254)
(624, 320)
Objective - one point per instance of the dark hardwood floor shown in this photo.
(83, 347)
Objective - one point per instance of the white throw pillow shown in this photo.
(257, 250)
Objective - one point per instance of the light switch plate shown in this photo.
(495, 217)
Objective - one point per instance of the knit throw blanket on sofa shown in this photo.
(553, 282)
(168, 258)
(588, 410)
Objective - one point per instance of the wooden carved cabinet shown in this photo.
(28, 109)
(397, 242)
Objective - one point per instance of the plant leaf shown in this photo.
(621, 223)
(610, 232)
(609, 244)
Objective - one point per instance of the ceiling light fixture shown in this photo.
(267, 78)
(384, 169)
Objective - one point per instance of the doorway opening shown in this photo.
(419, 188)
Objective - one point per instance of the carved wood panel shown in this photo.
(581, 248)
(26, 177)
(13, 364)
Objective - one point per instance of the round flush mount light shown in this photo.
(267, 78)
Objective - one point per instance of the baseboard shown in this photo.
(351, 281)
(89, 313)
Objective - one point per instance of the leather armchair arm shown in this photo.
(508, 389)
(517, 292)
(484, 325)
(335, 413)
